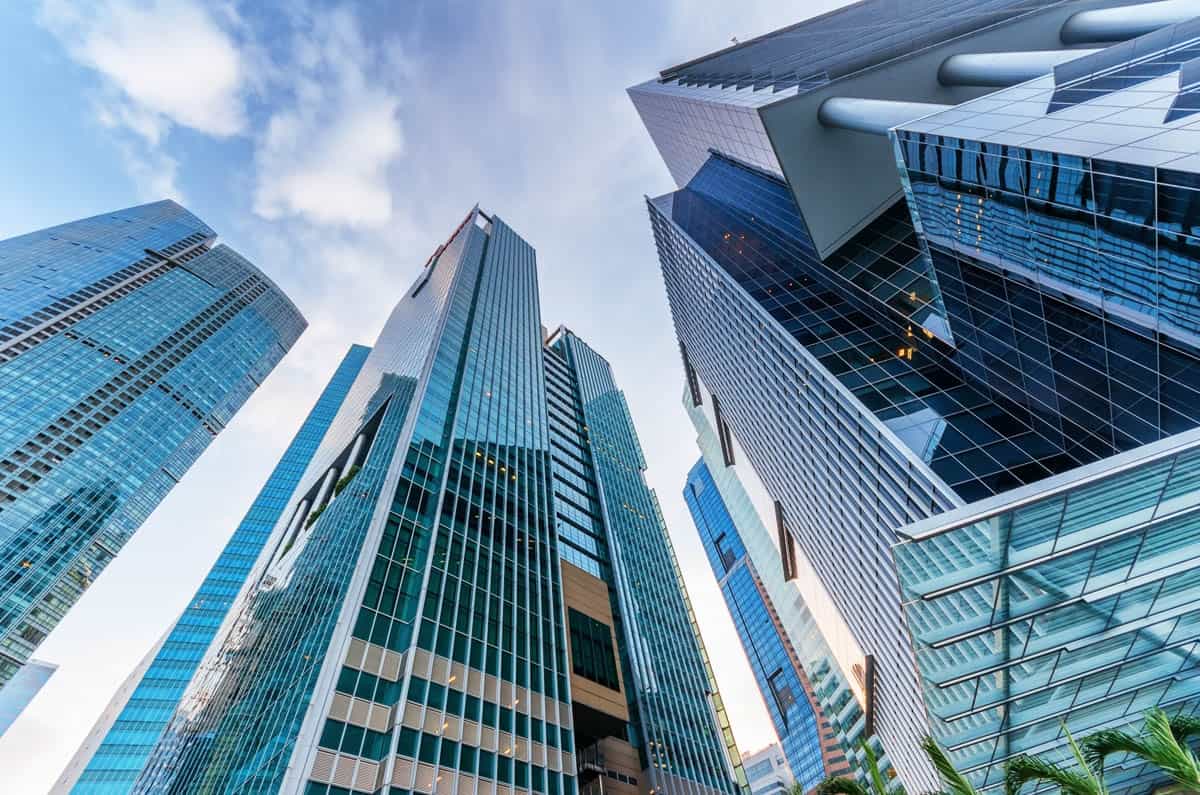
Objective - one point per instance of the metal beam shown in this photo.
(872, 116)
(1001, 69)
(1126, 22)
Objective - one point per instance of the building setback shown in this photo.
(112, 756)
(940, 374)
(467, 590)
(127, 342)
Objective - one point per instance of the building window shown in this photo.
(592, 650)
(723, 434)
(781, 691)
(787, 544)
(721, 543)
(693, 381)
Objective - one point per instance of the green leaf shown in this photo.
(841, 786)
(956, 783)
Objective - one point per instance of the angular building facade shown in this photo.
(113, 755)
(466, 591)
(127, 342)
(954, 357)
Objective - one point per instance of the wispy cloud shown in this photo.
(325, 154)
(165, 62)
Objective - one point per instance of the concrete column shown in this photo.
(1126, 22)
(1001, 69)
(872, 116)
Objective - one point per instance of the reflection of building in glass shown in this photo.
(127, 342)
(118, 748)
(467, 588)
(1052, 329)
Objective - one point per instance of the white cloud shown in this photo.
(167, 61)
(325, 157)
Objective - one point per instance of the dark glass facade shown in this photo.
(127, 342)
(1070, 282)
(126, 745)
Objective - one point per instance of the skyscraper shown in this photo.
(127, 342)
(117, 753)
(467, 589)
(813, 706)
(932, 359)
(785, 687)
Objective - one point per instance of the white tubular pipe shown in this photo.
(872, 116)
(1001, 69)
(1126, 22)
(301, 512)
(352, 459)
(326, 485)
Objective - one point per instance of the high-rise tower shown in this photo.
(467, 590)
(982, 368)
(112, 756)
(127, 342)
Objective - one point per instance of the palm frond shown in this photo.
(956, 783)
(1027, 769)
(841, 786)
(1095, 780)
(1184, 727)
(1097, 747)
(1166, 752)
(877, 780)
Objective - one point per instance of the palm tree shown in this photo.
(1162, 742)
(851, 786)
(955, 783)
(1026, 769)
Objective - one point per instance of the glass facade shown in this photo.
(782, 682)
(1069, 273)
(127, 342)
(675, 708)
(798, 610)
(409, 633)
(1077, 600)
(1034, 318)
(126, 745)
(845, 480)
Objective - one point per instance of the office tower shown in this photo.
(796, 669)
(787, 692)
(127, 342)
(21, 689)
(926, 357)
(767, 771)
(471, 587)
(116, 750)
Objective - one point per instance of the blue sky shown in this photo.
(335, 146)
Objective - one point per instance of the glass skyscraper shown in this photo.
(788, 695)
(127, 342)
(796, 668)
(986, 361)
(125, 743)
(466, 591)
